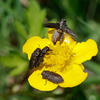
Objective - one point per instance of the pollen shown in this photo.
(59, 55)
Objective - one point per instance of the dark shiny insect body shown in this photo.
(51, 76)
(37, 57)
(61, 29)
(34, 58)
(40, 57)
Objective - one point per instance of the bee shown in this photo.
(37, 57)
(61, 29)
(51, 76)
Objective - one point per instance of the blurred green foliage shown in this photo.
(21, 19)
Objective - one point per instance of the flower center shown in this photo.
(59, 56)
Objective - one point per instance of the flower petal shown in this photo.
(36, 81)
(50, 33)
(84, 51)
(74, 76)
(69, 39)
(33, 43)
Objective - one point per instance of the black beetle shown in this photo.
(52, 76)
(37, 57)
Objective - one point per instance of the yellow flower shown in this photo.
(64, 59)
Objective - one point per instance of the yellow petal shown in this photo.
(69, 39)
(33, 43)
(50, 33)
(84, 51)
(74, 76)
(37, 82)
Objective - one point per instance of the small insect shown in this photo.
(51, 76)
(34, 58)
(37, 57)
(61, 29)
(40, 57)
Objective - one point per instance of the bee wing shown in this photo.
(52, 25)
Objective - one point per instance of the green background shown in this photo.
(21, 19)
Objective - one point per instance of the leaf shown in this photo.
(5, 30)
(92, 80)
(18, 70)
(95, 34)
(20, 29)
(5, 47)
(75, 8)
(35, 18)
(14, 61)
(93, 66)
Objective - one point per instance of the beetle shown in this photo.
(34, 58)
(37, 57)
(52, 76)
(41, 56)
(61, 29)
